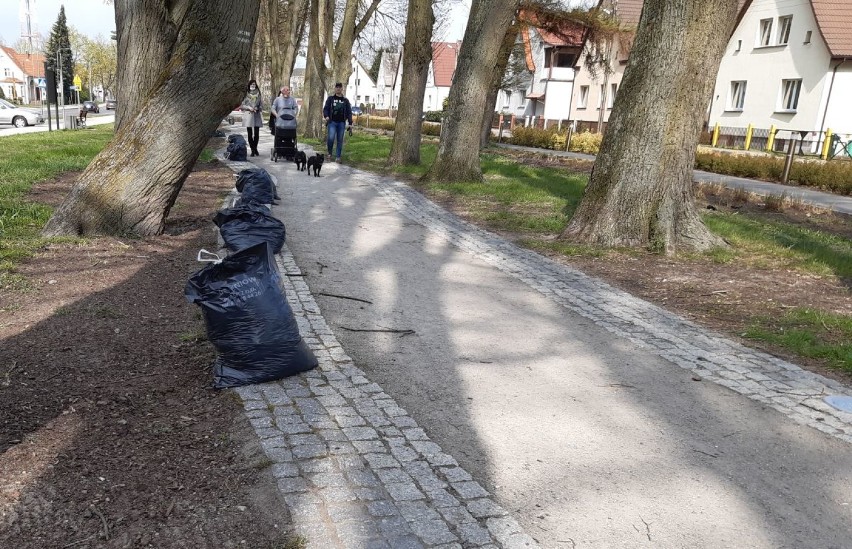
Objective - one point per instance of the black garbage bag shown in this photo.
(256, 185)
(248, 320)
(236, 150)
(245, 225)
(236, 138)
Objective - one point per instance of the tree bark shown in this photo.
(284, 27)
(350, 30)
(496, 79)
(193, 75)
(416, 55)
(321, 21)
(458, 158)
(640, 192)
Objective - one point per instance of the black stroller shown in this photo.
(285, 136)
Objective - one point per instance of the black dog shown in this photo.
(301, 160)
(316, 161)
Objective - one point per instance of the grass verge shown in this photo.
(24, 160)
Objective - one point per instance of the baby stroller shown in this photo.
(285, 137)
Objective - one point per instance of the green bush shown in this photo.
(433, 116)
(586, 142)
(384, 123)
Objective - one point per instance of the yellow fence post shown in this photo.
(749, 131)
(826, 146)
(715, 140)
(770, 141)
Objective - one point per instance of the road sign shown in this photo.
(41, 82)
(78, 83)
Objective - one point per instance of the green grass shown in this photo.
(207, 155)
(24, 160)
(810, 333)
(776, 244)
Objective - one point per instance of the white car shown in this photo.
(19, 116)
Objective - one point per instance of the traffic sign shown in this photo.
(41, 82)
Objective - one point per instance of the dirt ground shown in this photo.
(109, 434)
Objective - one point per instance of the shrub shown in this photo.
(532, 137)
(433, 116)
(586, 142)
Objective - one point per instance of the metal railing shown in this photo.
(826, 145)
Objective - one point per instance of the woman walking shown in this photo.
(252, 119)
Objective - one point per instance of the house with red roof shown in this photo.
(595, 91)
(19, 75)
(788, 64)
(360, 90)
(551, 57)
(445, 57)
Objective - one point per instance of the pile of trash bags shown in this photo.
(236, 150)
(248, 318)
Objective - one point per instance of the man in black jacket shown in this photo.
(337, 112)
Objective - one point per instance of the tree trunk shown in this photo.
(131, 185)
(496, 79)
(341, 64)
(416, 55)
(640, 192)
(321, 21)
(284, 27)
(458, 158)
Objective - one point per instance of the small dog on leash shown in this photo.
(316, 162)
(301, 160)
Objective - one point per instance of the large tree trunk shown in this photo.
(640, 192)
(202, 59)
(285, 26)
(416, 55)
(350, 30)
(496, 79)
(321, 21)
(458, 158)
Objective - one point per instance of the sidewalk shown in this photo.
(837, 203)
(532, 406)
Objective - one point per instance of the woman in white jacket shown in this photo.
(252, 119)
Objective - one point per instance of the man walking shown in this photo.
(337, 112)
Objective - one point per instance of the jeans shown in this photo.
(335, 131)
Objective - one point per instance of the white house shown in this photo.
(788, 65)
(552, 58)
(594, 94)
(387, 88)
(360, 90)
(19, 75)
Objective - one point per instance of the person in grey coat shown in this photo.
(252, 119)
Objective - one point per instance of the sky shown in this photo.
(90, 17)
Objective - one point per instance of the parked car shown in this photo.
(110, 104)
(19, 116)
(91, 106)
(356, 111)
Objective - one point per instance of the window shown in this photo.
(548, 53)
(366, 98)
(808, 37)
(7, 72)
(765, 32)
(610, 100)
(584, 97)
(784, 24)
(564, 59)
(790, 94)
(739, 45)
(737, 98)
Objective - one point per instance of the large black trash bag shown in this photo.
(236, 138)
(248, 319)
(245, 225)
(236, 150)
(256, 185)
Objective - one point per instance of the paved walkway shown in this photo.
(532, 406)
(837, 203)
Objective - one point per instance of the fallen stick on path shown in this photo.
(388, 330)
(345, 297)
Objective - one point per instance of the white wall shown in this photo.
(557, 100)
(763, 69)
(360, 88)
(839, 114)
(591, 112)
